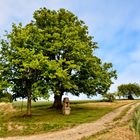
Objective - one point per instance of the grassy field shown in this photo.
(44, 119)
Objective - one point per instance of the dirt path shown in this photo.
(83, 130)
(119, 130)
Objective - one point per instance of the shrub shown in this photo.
(5, 97)
(109, 97)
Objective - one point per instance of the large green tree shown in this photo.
(67, 41)
(129, 90)
(21, 65)
(54, 54)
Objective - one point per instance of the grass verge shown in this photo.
(136, 122)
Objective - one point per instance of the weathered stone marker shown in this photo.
(66, 106)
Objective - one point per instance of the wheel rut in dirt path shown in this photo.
(83, 130)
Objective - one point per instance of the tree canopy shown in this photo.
(129, 90)
(54, 53)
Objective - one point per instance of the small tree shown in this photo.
(129, 90)
(118, 94)
(110, 97)
(5, 97)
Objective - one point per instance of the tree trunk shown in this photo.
(57, 102)
(130, 97)
(29, 103)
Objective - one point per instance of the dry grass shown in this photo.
(114, 105)
(117, 133)
(6, 107)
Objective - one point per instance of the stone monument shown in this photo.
(66, 106)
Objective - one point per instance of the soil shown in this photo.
(85, 130)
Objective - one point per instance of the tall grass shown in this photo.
(136, 122)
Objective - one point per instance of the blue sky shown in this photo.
(115, 25)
